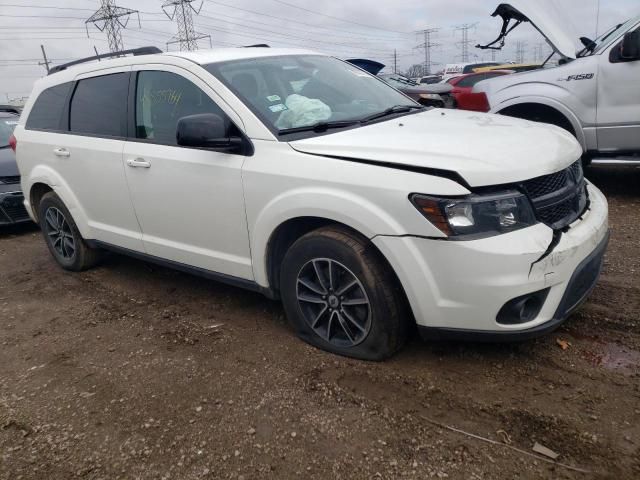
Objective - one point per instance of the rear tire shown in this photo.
(341, 296)
(62, 236)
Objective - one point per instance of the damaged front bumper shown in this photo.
(457, 289)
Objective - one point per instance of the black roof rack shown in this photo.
(257, 45)
(134, 51)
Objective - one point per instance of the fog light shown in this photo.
(522, 309)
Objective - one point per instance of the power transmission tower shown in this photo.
(427, 46)
(521, 48)
(464, 44)
(539, 52)
(183, 11)
(111, 19)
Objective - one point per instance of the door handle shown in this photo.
(139, 163)
(61, 152)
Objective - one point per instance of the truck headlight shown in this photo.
(477, 215)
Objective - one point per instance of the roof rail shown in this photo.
(258, 45)
(133, 51)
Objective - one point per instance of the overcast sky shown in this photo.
(345, 28)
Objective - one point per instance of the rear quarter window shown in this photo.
(48, 108)
(99, 106)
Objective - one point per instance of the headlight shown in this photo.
(477, 215)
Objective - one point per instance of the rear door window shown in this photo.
(48, 109)
(99, 106)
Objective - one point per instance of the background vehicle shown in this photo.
(429, 95)
(11, 200)
(430, 79)
(463, 85)
(303, 177)
(434, 95)
(592, 93)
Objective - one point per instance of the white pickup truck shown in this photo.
(593, 92)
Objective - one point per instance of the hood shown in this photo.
(8, 165)
(483, 149)
(546, 17)
(370, 66)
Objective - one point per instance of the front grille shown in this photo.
(10, 180)
(559, 198)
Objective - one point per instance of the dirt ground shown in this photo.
(132, 371)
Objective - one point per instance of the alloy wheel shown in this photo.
(59, 232)
(333, 302)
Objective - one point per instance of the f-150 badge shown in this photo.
(582, 76)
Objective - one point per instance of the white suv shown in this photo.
(303, 177)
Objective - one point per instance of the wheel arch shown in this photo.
(289, 231)
(550, 106)
(43, 179)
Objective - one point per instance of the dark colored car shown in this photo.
(437, 95)
(11, 207)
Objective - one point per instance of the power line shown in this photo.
(336, 18)
(280, 18)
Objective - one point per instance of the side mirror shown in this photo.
(630, 49)
(206, 130)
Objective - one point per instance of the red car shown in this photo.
(463, 85)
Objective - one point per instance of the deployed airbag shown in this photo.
(302, 111)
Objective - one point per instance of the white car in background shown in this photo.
(303, 177)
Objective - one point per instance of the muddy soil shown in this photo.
(130, 371)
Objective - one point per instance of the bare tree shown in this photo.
(415, 71)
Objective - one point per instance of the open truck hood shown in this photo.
(483, 149)
(545, 16)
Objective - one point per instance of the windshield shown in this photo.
(606, 39)
(7, 124)
(295, 91)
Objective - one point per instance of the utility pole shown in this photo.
(395, 61)
(111, 19)
(427, 46)
(520, 51)
(183, 11)
(464, 44)
(46, 60)
(539, 52)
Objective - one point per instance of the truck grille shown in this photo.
(559, 198)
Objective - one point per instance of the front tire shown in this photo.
(62, 236)
(341, 296)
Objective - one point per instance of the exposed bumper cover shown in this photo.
(12, 209)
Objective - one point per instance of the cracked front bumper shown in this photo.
(456, 289)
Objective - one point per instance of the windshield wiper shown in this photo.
(320, 127)
(391, 111)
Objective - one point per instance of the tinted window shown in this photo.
(99, 106)
(163, 98)
(46, 113)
